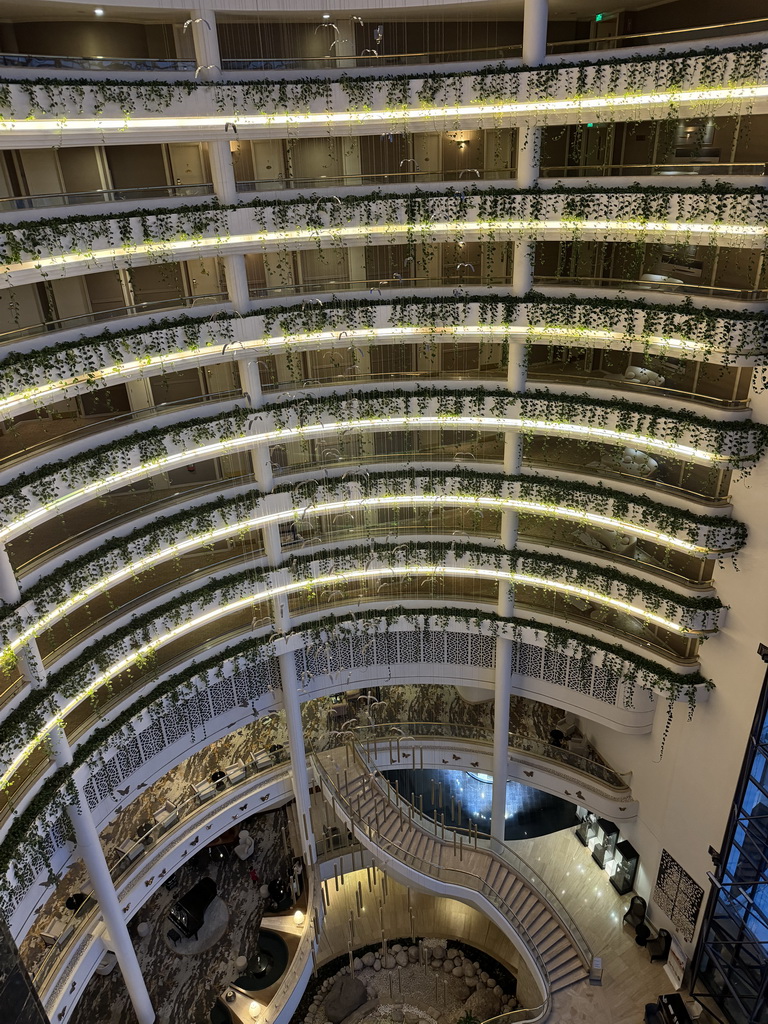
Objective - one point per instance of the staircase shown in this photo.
(382, 824)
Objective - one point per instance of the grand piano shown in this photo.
(188, 913)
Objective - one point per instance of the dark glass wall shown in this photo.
(731, 964)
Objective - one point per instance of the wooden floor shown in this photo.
(630, 980)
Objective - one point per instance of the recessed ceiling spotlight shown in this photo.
(98, 12)
(326, 17)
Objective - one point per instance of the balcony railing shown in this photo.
(101, 316)
(375, 59)
(104, 195)
(108, 423)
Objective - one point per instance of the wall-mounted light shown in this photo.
(98, 12)
(298, 918)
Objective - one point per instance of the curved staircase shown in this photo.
(384, 825)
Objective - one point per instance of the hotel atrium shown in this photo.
(383, 542)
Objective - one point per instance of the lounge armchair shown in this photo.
(658, 948)
(636, 912)
(166, 814)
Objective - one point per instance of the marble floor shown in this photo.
(630, 980)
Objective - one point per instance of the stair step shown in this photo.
(577, 974)
(541, 933)
(557, 963)
(554, 944)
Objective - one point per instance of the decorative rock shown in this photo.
(469, 969)
(357, 964)
(437, 964)
(396, 948)
(371, 992)
(402, 958)
(483, 976)
(452, 953)
(411, 1018)
(482, 1004)
(491, 983)
(458, 972)
(413, 954)
(470, 982)
(368, 959)
(438, 953)
(390, 962)
(377, 965)
(448, 966)
(458, 961)
(498, 991)
(396, 1014)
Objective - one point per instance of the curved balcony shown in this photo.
(626, 89)
(698, 215)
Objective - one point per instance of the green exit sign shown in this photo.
(599, 17)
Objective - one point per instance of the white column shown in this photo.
(272, 546)
(502, 695)
(237, 283)
(535, 17)
(206, 43)
(9, 585)
(250, 379)
(292, 708)
(222, 171)
(89, 848)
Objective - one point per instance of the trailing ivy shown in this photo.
(623, 666)
(732, 335)
(28, 717)
(738, 442)
(707, 67)
(630, 205)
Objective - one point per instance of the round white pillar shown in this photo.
(90, 849)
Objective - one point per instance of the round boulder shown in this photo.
(413, 954)
(368, 959)
(448, 966)
(438, 952)
(357, 964)
(390, 962)
(402, 958)
(452, 953)
(457, 972)
(469, 969)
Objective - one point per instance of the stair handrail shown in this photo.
(465, 879)
(501, 851)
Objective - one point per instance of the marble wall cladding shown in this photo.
(422, 702)
(18, 1000)
(183, 988)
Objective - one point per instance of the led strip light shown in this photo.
(409, 115)
(365, 232)
(319, 430)
(334, 507)
(330, 340)
(348, 576)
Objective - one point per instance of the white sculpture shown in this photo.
(244, 848)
